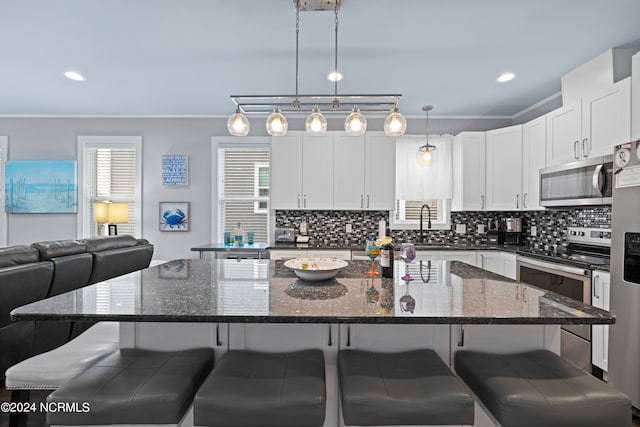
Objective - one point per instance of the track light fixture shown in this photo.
(316, 124)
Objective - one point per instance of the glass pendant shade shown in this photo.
(238, 125)
(395, 124)
(277, 123)
(316, 123)
(356, 123)
(425, 154)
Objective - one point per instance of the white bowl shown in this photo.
(315, 269)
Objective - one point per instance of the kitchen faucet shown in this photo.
(421, 236)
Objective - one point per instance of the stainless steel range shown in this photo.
(569, 274)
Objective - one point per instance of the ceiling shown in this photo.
(169, 57)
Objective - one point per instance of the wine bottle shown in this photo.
(386, 255)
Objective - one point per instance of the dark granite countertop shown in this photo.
(263, 291)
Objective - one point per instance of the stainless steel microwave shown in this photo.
(581, 183)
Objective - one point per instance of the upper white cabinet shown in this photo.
(635, 96)
(533, 159)
(286, 172)
(469, 172)
(364, 171)
(504, 168)
(317, 172)
(334, 171)
(591, 127)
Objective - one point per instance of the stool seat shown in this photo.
(48, 371)
(539, 388)
(405, 388)
(249, 388)
(134, 386)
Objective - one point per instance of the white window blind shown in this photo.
(111, 175)
(243, 180)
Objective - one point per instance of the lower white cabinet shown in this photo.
(600, 333)
(283, 254)
(490, 261)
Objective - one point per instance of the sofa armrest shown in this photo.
(116, 262)
(23, 284)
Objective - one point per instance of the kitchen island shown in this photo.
(262, 305)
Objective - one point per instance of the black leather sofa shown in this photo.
(45, 269)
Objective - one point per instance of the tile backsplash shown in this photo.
(329, 227)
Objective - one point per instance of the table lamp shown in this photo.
(109, 213)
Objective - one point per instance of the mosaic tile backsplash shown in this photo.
(328, 227)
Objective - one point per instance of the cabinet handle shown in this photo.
(595, 286)
(524, 200)
(298, 201)
(348, 335)
(330, 342)
(575, 150)
(367, 201)
(481, 260)
(517, 201)
(305, 201)
(585, 147)
(461, 341)
(482, 198)
(361, 201)
(218, 342)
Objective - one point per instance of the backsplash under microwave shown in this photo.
(582, 183)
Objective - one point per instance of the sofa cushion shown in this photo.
(59, 248)
(105, 243)
(23, 284)
(17, 255)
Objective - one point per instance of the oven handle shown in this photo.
(557, 267)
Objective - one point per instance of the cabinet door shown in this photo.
(504, 168)
(509, 265)
(564, 134)
(606, 120)
(348, 171)
(317, 172)
(468, 257)
(286, 171)
(280, 254)
(380, 172)
(533, 159)
(600, 333)
(469, 172)
(491, 261)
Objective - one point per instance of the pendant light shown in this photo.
(356, 123)
(395, 124)
(426, 152)
(238, 125)
(276, 123)
(316, 124)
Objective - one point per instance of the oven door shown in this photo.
(570, 282)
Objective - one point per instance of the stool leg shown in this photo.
(19, 419)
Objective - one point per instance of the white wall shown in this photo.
(56, 138)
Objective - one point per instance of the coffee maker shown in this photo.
(510, 231)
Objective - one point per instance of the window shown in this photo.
(243, 183)
(111, 171)
(3, 216)
(418, 185)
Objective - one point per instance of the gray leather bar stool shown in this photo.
(406, 388)
(539, 388)
(256, 389)
(134, 386)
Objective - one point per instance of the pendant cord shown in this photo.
(297, 43)
(336, 53)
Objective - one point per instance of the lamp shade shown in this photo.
(110, 213)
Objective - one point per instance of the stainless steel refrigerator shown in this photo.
(624, 335)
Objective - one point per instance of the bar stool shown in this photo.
(405, 388)
(257, 389)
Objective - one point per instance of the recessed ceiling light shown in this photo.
(74, 75)
(334, 76)
(506, 77)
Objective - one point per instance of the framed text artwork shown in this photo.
(174, 216)
(175, 169)
(41, 186)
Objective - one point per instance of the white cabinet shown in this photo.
(533, 159)
(591, 127)
(490, 261)
(317, 172)
(286, 172)
(284, 254)
(504, 168)
(600, 333)
(468, 257)
(635, 96)
(364, 171)
(509, 265)
(469, 172)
